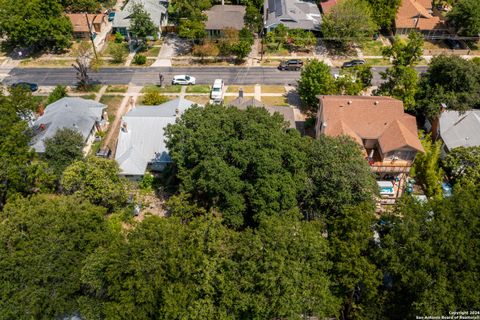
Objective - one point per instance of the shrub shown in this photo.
(139, 59)
(118, 52)
(58, 93)
(153, 98)
(119, 38)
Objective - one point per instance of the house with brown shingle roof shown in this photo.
(83, 24)
(417, 15)
(388, 136)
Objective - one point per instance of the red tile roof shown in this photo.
(380, 118)
(327, 5)
(414, 14)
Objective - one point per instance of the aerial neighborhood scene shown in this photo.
(240, 159)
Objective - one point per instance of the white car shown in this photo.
(183, 79)
(217, 91)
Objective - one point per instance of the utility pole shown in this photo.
(91, 36)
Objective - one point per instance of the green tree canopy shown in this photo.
(65, 147)
(203, 270)
(430, 254)
(465, 17)
(81, 5)
(384, 12)
(451, 80)
(349, 21)
(315, 79)
(243, 163)
(58, 93)
(36, 24)
(338, 176)
(96, 180)
(463, 165)
(426, 167)
(405, 53)
(141, 24)
(43, 243)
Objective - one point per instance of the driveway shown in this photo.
(172, 46)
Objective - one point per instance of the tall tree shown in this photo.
(141, 25)
(349, 21)
(384, 12)
(202, 270)
(427, 169)
(315, 79)
(58, 93)
(35, 24)
(243, 163)
(17, 162)
(430, 256)
(96, 180)
(465, 17)
(451, 80)
(43, 243)
(81, 5)
(402, 79)
(338, 176)
(463, 165)
(65, 147)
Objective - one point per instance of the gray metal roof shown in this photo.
(227, 16)
(143, 140)
(154, 7)
(73, 113)
(460, 129)
(294, 14)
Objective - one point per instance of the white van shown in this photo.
(217, 91)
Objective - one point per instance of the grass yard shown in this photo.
(434, 45)
(199, 99)
(228, 99)
(199, 88)
(372, 48)
(246, 89)
(91, 88)
(275, 101)
(378, 62)
(147, 64)
(167, 98)
(152, 52)
(273, 89)
(91, 96)
(166, 89)
(274, 49)
(113, 102)
(40, 63)
(117, 89)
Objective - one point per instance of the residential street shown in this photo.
(143, 76)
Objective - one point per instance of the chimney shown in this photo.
(223, 2)
(124, 127)
(240, 93)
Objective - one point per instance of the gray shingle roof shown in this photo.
(73, 113)
(458, 129)
(294, 14)
(227, 16)
(143, 140)
(154, 7)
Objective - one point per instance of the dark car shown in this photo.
(353, 63)
(453, 44)
(292, 64)
(111, 16)
(27, 85)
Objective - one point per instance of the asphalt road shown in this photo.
(143, 76)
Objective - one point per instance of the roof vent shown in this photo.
(376, 102)
(349, 101)
(42, 127)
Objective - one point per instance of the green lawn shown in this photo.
(275, 101)
(166, 89)
(152, 52)
(273, 89)
(246, 89)
(46, 63)
(91, 96)
(91, 88)
(372, 48)
(200, 88)
(199, 99)
(117, 88)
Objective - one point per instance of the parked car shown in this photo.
(353, 63)
(27, 85)
(453, 44)
(291, 65)
(183, 79)
(111, 16)
(217, 91)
